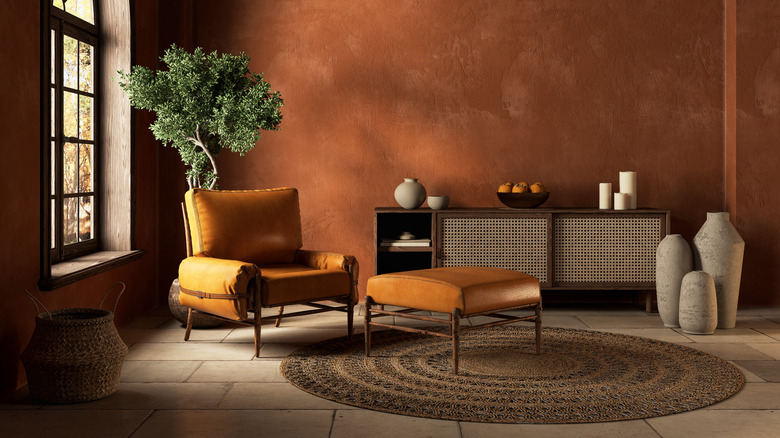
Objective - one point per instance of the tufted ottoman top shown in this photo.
(469, 288)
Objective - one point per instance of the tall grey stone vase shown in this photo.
(718, 250)
(673, 259)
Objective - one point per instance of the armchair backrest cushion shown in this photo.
(255, 226)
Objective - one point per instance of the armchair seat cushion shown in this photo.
(291, 283)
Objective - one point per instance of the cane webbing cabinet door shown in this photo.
(563, 248)
(606, 250)
(520, 242)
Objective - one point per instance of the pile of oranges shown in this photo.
(521, 187)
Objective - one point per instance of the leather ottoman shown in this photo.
(461, 292)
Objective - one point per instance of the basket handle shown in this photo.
(117, 298)
(36, 301)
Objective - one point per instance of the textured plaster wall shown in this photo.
(465, 95)
(758, 141)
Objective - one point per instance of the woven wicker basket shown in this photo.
(74, 355)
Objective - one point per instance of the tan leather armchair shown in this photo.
(245, 254)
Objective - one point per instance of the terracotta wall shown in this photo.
(20, 195)
(758, 146)
(465, 95)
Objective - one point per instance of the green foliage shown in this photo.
(204, 101)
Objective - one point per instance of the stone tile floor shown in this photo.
(212, 387)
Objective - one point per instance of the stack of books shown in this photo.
(405, 242)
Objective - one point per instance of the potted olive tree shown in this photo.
(203, 103)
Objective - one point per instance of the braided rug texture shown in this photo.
(580, 377)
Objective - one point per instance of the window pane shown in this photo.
(70, 107)
(53, 225)
(53, 128)
(85, 117)
(70, 62)
(69, 159)
(70, 211)
(85, 168)
(85, 218)
(85, 67)
(53, 166)
(53, 49)
(81, 9)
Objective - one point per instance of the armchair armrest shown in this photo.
(330, 260)
(217, 286)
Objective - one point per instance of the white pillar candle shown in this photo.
(628, 185)
(622, 201)
(605, 196)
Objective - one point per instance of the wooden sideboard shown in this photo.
(565, 248)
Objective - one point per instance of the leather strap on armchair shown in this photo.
(217, 286)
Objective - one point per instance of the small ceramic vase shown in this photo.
(410, 194)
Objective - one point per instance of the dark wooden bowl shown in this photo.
(523, 200)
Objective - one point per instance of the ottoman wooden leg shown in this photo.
(367, 326)
(455, 340)
(538, 327)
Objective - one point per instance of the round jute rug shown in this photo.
(580, 377)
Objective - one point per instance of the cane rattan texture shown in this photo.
(517, 243)
(74, 355)
(594, 249)
(580, 376)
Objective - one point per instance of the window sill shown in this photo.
(73, 270)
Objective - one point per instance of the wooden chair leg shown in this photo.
(258, 323)
(455, 340)
(257, 336)
(350, 323)
(279, 316)
(367, 326)
(189, 325)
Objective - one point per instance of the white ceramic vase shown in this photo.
(673, 259)
(698, 304)
(718, 250)
(410, 194)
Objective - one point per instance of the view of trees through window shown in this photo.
(72, 128)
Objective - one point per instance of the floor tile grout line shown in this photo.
(146, 418)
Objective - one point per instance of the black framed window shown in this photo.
(71, 52)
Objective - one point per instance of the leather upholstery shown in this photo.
(290, 283)
(242, 235)
(330, 260)
(219, 286)
(255, 226)
(470, 289)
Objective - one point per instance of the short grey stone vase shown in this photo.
(410, 194)
(718, 249)
(673, 259)
(698, 304)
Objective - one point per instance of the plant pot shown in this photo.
(199, 320)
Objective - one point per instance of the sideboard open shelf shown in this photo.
(565, 248)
